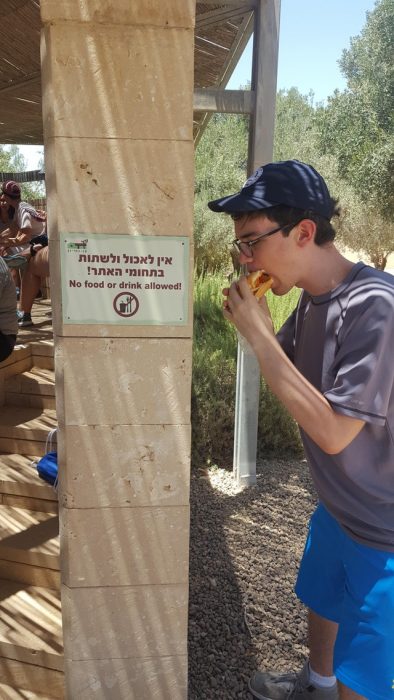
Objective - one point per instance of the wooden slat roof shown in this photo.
(27, 176)
(221, 34)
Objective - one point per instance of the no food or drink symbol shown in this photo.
(126, 304)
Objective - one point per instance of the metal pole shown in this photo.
(261, 139)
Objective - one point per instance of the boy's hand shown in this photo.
(251, 317)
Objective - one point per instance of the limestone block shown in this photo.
(124, 546)
(115, 331)
(139, 465)
(173, 13)
(125, 622)
(119, 186)
(117, 81)
(123, 382)
(157, 678)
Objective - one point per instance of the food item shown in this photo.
(259, 282)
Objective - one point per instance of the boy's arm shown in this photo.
(330, 430)
(7, 240)
(24, 235)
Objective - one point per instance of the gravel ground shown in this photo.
(244, 554)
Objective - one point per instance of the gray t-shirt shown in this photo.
(343, 343)
(8, 317)
(26, 217)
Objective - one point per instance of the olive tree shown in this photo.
(357, 128)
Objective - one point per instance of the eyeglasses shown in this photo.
(246, 247)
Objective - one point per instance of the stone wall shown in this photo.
(117, 104)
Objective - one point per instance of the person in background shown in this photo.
(27, 223)
(8, 317)
(26, 227)
(24, 238)
(331, 365)
(4, 215)
(37, 269)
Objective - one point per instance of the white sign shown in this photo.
(138, 280)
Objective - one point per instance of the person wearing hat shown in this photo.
(27, 223)
(25, 236)
(331, 365)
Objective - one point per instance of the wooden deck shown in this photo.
(31, 644)
(42, 329)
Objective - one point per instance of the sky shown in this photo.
(313, 34)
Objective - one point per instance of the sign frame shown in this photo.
(164, 279)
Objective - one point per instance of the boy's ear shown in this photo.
(305, 232)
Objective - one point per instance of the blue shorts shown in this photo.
(353, 585)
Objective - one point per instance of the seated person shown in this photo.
(27, 223)
(26, 229)
(8, 317)
(37, 269)
(4, 216)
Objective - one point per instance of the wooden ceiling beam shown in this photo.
(218, 16)
(244, 34)
(225, 101)
(233, 3)
(17, 84)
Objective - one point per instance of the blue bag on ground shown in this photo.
(47, 466)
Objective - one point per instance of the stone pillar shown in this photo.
(118, 103)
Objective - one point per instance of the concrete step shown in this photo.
(43, 353)
(18, 355)
(29, 537)
(31, 645)
(24, 430)
(42, 328)
(35, 387)
(31, 625)
(39, 353)
(33, 400)
(19, 480)
(37, 680)
(43, 347)
(29, 575)
(7, 692)
(19, 361)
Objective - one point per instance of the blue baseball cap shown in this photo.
(288, 182)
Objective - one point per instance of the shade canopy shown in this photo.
(221, 33)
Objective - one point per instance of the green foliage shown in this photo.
(363, 230)
(5, 159)
(213, 234)
(357, 125)
(220, 169)
(368, 64)
(295, 127)
(214, 378)
(221, 155)
(12, 160)
(350, 141)
(221, 162)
